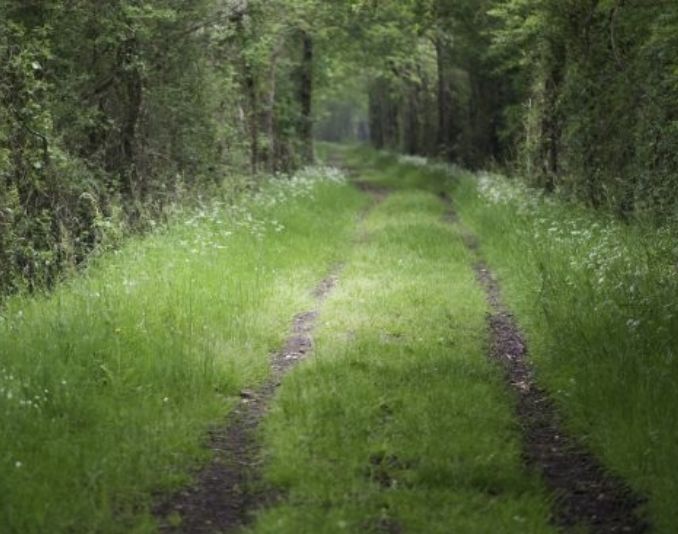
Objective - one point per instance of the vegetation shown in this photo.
(161, 221)
(107, 385)
(599, 302)
(400, 421)
(109, 115)
(576, 96)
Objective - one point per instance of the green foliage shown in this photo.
(432, 86)
(124, 107)
(578, 95)
(597, 81)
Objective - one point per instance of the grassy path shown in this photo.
(108, 384)
(399, 423)
(228, 490)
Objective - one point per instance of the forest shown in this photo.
(338, 266)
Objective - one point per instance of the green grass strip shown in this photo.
(598, 300)
(399, 421)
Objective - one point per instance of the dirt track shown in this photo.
(585, 493)
(229, 490)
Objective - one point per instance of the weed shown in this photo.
(599, 302)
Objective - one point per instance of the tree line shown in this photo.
(578, 96)
(111, 112)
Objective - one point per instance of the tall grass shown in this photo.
(599, 301)
(107, 385)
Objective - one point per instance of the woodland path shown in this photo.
(544, 481)
(228, 490)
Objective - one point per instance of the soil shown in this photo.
(228, 492)
(376, 192)
(585, 493)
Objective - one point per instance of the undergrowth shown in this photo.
(399, 422)
(108, 383)
(599, 302)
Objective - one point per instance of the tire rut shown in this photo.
(228, 492)
(585, 493)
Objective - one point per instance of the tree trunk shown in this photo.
(133, 84)
(251, 92)
(551, 125)
(306, 98)
(375, 116)
(445, 137)
(269, 116)
(413, 123)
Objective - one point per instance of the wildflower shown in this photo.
(633, 324)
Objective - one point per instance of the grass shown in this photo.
(107, 385)
(399, 418)
(599, 302)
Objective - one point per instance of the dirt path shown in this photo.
(585, 494)
(229, 490)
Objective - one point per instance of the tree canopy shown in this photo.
(110, 111)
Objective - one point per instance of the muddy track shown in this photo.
(228, 492)
(586, 495)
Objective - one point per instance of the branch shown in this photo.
(41, 136)
(237, 11)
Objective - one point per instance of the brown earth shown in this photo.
(228, 492)
(586, 494)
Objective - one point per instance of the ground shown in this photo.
(413, 407)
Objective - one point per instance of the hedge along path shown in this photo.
(585, 493)
(229, 491)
